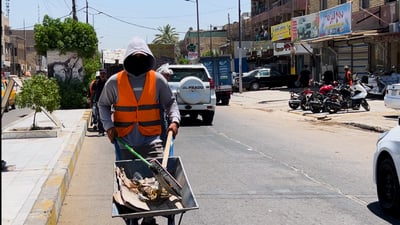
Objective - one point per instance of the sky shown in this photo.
(116, 22)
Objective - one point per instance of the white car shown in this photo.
(392, 96)
(387, 170)
(194, 89)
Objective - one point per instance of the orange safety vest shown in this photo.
(145, 112)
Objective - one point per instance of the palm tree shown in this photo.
(167, 35)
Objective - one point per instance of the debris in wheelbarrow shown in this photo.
(141, 193)
(162, 175)
(148, 208)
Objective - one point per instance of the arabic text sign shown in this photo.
(280, 31)
(335, 21)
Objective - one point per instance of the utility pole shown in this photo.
(74, 11)
(26, 63)
(211, 51)
(87, 12)
(292, 50)
(198, 31)
(240, 50)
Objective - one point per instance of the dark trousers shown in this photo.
(99, 123)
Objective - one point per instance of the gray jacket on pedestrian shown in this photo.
(164, 95)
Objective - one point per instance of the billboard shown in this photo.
(305, 27)
(335, 21)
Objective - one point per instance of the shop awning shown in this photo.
(352, 36)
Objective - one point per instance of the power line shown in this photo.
(123, 21)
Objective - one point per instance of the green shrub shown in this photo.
(39, 92)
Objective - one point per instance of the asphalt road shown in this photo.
(251, 167)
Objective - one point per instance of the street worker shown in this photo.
(348, 79)
(136, 94)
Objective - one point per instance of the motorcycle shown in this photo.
(317, 103)
(374, 84)
(301, 99)
(346, 97)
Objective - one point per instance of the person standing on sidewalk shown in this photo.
(348, 79)
(304, 77)
(137, 94)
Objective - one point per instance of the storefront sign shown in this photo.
(335, 21)
(281, 31)
(305, 27)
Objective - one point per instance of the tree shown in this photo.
(67, 36)
(167, 35)
(70, 36)
(39, 92)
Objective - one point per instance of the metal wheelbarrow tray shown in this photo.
(174, 167)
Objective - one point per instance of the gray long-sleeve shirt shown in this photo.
(136, 69)
(109, 96)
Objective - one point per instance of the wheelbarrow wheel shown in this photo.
(171, 220)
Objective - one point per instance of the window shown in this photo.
(324, 4)
(275, 73)
(180, 73)
(264, 73)
(364, 4)
(342, 2)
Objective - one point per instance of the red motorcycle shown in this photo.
(317, 103)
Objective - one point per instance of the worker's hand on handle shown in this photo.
(112, 134)
(174, 128)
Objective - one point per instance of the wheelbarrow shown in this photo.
(176, 169)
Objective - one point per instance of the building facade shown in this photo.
(18, 55)
(372, 45)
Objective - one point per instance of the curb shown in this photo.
(47, 207)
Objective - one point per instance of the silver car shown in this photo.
(387, 170)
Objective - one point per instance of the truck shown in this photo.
(219, 67)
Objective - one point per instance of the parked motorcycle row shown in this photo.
(331, 98)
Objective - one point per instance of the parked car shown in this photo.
(265, 77)
(11, 99)
(194, 89)
(387, 170)
(392, 96)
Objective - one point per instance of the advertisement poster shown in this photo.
(335, 21)
(280, 31)
(305, 27)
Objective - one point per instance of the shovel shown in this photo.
(167, 151)
(165, 179)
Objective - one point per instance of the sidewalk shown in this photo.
(40, 169)
(378, 119)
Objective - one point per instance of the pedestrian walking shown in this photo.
(304, 77)
(166, 72)
(137, 94)
(97, 90)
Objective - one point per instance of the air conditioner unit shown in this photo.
(394, 27)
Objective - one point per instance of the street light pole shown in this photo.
(198, 29)
(240, 50)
